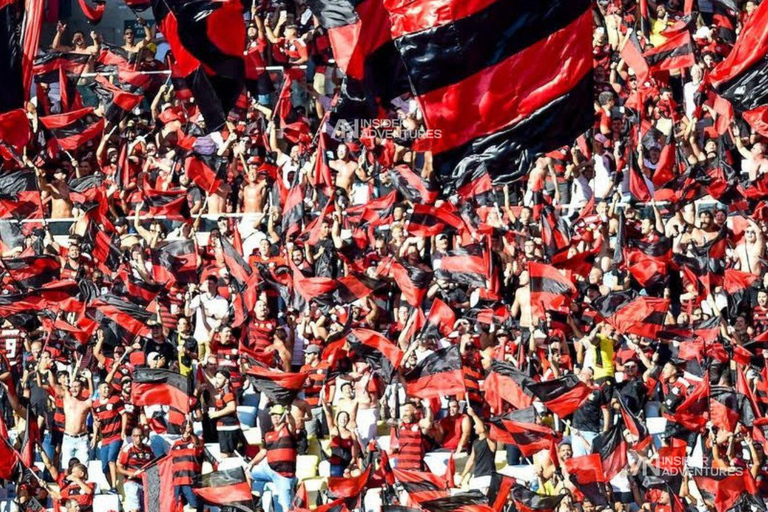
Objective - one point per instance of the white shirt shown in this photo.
(207, 309)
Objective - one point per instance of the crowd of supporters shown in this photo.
(300, 296)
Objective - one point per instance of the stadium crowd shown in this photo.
(299, 296)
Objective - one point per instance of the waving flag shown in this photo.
(74, 129)
(158, 386)
(460, 57)
(228, 487)
(207, 39)
(12, 93)
(562, 395)
(116, 102)
(438, 374)
(550, 289)
(382, 355)
(280, 387)
(506, 382)
(529, 501)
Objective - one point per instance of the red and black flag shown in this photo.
(563, 395)
(349, 488)
(30, 440)
(506, 382)
(728, 407)
(632, 54)
(170, 204)
(554, 232)
(88, 193)
(526, 500)
(207, 39)
(158, 386)
(158, 485)
(69, 95)
(14, 186)
(638, 183)
(439, 374)
(634, 425)
(128, 315)
(93, 13)
(742, 78)
(612, 448)
(412, 281)
(457, 76)
(382, 355)
(106, 252)
(136, 288)
(228, 487)
(550, 289)
(440, 320)
(631, 314)
(421, 486)
(529, 437)
(426, 220)
(465, 267)
(12, 93)
(724, 490)
(280, 387)
(15, 133)
(413, 187)
(360, 37)
(176, 260)
(676, 53)
(73, 129)
(32, 271)
(353, 287)
(693, 411)
(472, 501)
(293, 212)
(46, 67)
(586, 473)
(116, 102)
(206, 171)
(374, 213)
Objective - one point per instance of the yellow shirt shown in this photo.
(603, 361)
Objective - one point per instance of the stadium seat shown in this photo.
(306, 466)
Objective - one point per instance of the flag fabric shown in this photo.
(32, 271)
(529, 437)
(563, 395)
(440, 320)
(128, 315)
(15, 132)
(170, 204)
(632, 54)
(464, 268)
(93, 13)
(643, 316)
(742, 77)
(158, 386)
(550, 289)
(207, 39)
(12, 92)
(206, 171)
(439, 374)
(675, 53)
(413, 281)
(175, 260)
(472, 501)
(528, 501)
(158, 486)
(457, 76)
(280, 387)
(349, 487)
(73, 129)
(693, 412)
(382, 355)
(506, 382)
(413, 187)
(33, 24)
(228, 487)
(587, 469)
(612, 448)
(117, 103)
(420, 485)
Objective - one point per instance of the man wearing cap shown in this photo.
(277, 462)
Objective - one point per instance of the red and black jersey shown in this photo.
(58, 413)
(110, 415)
(187, 459)
(411, 441)
(134, 457)
(281, 451)
(315, 380)
(12, 346)
(228, 358)
(72, 491)
(132, 414)
(224, 397)
(260, 333)
(760, 319)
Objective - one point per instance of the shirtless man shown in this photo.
(522, 303)
(748, 256)
(706, 230)
(131, 46)
(78, 42)
(345, 168)
(254, 194)
(367, 404)
(58, 191)
(755, 159)
(77, 406)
